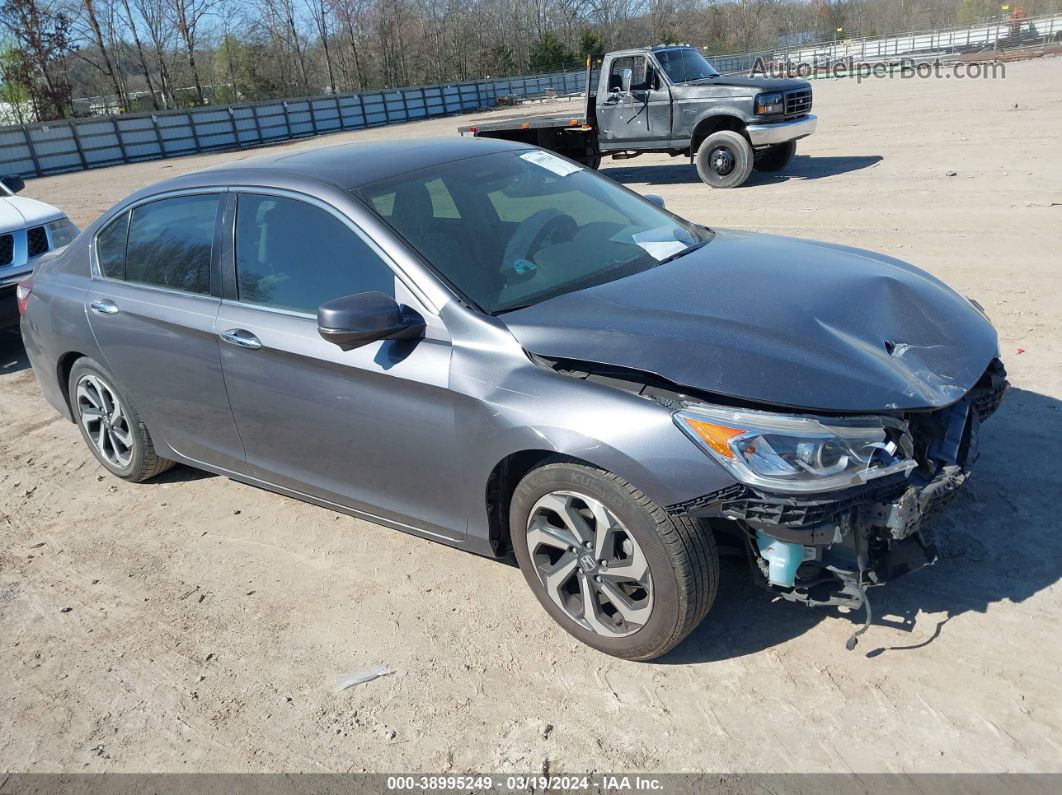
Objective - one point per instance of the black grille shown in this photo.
(763, 508)
(37, 241)
(990, 390)
(798, 102)
(7, 249)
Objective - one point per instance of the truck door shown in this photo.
(640, 117)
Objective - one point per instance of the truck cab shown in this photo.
(670, 99)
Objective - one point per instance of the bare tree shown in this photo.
(320, 12)
(105, 65)
(282, 23)
(155, 15)
(189, 15)
(142, 59)
(350, 16)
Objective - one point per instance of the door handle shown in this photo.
(241, 337)
(105, 306)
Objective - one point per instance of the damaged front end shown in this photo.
(828, 547)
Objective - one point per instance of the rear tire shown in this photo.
(589, 157)
(111, 425)
(724, 159)
(593, 591)
(776, 157)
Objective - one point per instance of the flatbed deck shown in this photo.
(535, 122)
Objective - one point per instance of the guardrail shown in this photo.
(982, 36)
(56, 147)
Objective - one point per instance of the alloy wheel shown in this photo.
(589, 564)
(105, 420)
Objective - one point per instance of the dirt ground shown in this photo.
(197, 624)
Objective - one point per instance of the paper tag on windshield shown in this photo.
(659, 243)
(561, 168)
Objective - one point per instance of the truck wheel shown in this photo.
(776, 157)
(589, 157)
(724, 159)
(609, 565)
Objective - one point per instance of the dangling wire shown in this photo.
(861, 562)
(854, 639)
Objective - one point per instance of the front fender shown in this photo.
(631, 436)
(733, 116)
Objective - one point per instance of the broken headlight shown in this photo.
(792, 453)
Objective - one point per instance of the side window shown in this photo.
(170, 241)
(110, 247)
(292, 255)
(639, 77)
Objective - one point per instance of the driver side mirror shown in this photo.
(356, 320)
(13, 182)
(626, 78)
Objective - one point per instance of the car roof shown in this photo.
(344, 165)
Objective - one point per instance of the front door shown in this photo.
(640, 117)
(371, 428)
(151, 310)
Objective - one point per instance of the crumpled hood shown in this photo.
(776, 320)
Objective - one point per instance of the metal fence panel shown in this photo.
(911, 43)
(61, 146)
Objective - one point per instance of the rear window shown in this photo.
(170, 243)
(110, 247)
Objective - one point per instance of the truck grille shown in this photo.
(797, 103)
(7, 249)
(36, 241)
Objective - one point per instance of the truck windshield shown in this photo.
(685, 64)
(511, 229)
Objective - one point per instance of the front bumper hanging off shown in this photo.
(826, 549)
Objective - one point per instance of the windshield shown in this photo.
(685, 64)
(511, 229)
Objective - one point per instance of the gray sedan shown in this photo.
(488, 345)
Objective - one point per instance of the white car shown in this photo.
(29, 229)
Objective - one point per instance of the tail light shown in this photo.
(22, 294)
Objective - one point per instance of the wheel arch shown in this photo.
(512, 468)
(713, 123)
(63, 366)
(501, 482)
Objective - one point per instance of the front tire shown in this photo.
(110, 424)
(776, 157)
(724, 159)
(612, 567)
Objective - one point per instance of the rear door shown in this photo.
(151, 308)
(371, 428)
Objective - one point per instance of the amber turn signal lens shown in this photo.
(715, 436)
